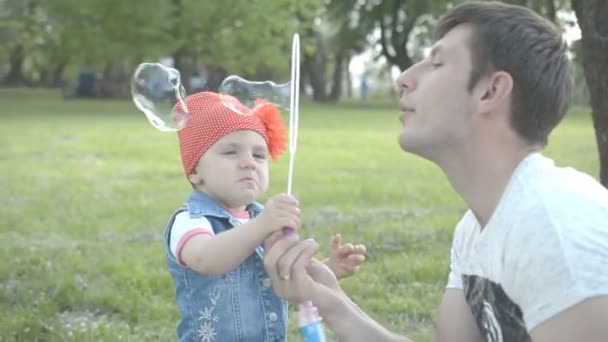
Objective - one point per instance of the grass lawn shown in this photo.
(87, 187)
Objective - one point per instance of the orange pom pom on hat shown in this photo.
(209, 120)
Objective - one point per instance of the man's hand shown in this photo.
(296, 275)
(345, 260)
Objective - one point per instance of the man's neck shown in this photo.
(481, 176)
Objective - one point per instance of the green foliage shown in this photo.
(88, 186)
(241, 36)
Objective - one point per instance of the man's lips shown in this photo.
(405, 112)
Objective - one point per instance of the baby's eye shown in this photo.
(259, 155)
(229, 152)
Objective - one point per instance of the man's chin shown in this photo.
(410, 145)
(406, 143)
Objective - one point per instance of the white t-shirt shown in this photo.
(185, 227)
(544, 249)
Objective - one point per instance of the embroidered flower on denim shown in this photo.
(207, 314)
(214, 296)
(206, 332)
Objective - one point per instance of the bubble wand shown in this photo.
(293, 108)
(308, 318)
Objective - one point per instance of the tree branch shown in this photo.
(394, 32)
(383, 43)
(600, 34)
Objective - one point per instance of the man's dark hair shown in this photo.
(531, 49)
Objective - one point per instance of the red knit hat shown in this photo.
(209, 120)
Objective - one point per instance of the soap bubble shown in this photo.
(247, 92)
(157, 91)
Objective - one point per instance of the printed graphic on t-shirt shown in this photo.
(498, 317)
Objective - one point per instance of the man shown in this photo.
(529, 260)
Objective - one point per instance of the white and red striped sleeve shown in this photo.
(184, 227)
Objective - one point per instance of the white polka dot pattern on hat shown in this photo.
(208, 121)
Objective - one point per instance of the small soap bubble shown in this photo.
(157, 91)
(247, 92)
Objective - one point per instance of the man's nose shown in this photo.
(406, 81)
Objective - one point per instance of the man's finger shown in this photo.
(272, 239)
(276, 236)
(286, 261)
(276, 251)
(304, 258)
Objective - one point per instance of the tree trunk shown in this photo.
(15, 72)
(591, 16)
(349, 81)
(214, 75)
(551, 11)
(182, 60)
(394, 34)
(57, 75)
(52, 76)
(314, 68)
(336, 85)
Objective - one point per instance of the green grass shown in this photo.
(87, 187)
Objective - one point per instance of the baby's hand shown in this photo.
(345, 260)
(280, 211)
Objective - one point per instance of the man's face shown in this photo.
(436, 107)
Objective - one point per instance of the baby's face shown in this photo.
(234, 171)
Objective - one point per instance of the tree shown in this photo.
(312, 25)
(546, 8)
(349, 37)
(591, 16)
(44, 38)
(22, 23)
(348, 27)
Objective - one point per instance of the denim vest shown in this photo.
(237, 306)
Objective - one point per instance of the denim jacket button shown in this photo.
(267, 282)
(273, 316)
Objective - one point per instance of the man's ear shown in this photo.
(495, 92)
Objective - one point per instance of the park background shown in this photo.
(87, 185)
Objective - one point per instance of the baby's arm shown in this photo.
(221, 253)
